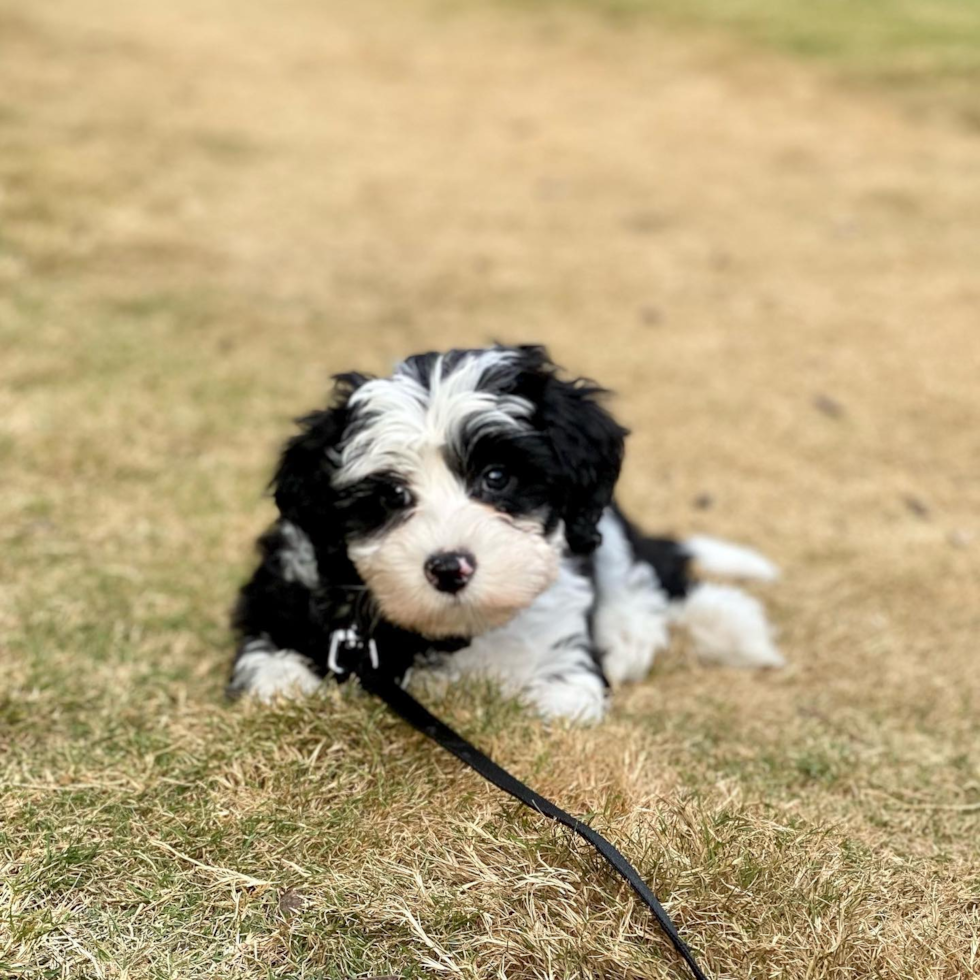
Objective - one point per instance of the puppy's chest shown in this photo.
(516, 652)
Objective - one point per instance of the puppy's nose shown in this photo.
(449, 571)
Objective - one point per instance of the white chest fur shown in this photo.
(542, 655)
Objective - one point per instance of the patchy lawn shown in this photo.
(927, 51)
(205, 209)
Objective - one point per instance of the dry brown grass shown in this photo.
(207, 207)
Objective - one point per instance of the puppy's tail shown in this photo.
(727, 626)
(717, 557)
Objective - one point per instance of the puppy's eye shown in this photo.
(496, 478)
(396, 497)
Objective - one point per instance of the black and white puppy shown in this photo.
(459, 513)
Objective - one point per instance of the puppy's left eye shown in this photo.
(496, 478)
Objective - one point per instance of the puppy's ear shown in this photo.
(587, 443)
(302, 484)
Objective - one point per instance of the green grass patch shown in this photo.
(926, 49)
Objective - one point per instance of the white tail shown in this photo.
(717, 557)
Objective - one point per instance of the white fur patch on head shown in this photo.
(514, 561)
(395, 420)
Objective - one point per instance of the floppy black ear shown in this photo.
(302, 484)
(587, 443)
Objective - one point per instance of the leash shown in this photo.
(364, 665)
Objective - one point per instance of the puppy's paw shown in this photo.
(630, 636)
(579, 697)
(265, 673)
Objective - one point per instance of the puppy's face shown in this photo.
(450, 488)
(444, 489)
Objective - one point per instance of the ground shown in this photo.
(205, 209)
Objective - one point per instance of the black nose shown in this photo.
(449, 571)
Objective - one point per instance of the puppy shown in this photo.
(460, 514)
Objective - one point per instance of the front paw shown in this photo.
(581, 697)
(267, 674)
(630, 638)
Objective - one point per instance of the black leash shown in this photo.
(408, 709)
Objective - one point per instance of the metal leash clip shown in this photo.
(349, 639)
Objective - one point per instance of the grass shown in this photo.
(207, 208)
(928, 51)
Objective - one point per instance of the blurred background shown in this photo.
(758, 222)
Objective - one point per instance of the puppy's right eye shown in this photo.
(396, 496)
